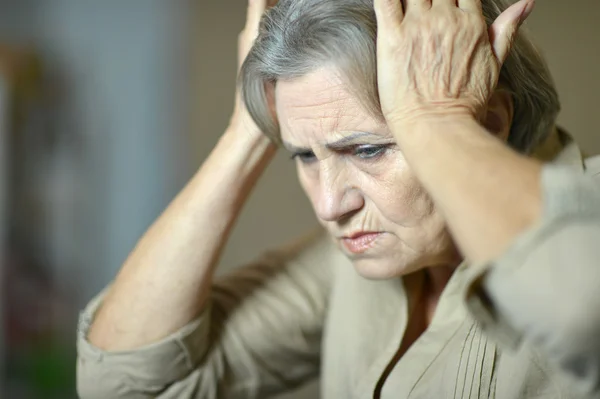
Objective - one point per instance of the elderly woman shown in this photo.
(461, 228)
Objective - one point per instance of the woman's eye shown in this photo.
(369, 151)
(305, 157)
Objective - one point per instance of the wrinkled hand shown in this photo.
(438, 57)
(241, 119)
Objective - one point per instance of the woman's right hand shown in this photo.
(241, 121)
(166, 280)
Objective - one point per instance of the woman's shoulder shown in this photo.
(592, 166)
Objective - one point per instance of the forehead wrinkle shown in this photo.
(322, 102)
(328, 116)
(319, 105)
(326, 113)
(328, 120)
(325, 90)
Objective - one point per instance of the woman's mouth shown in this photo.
(360, 242)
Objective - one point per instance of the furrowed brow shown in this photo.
(337, 145)
(347, 141)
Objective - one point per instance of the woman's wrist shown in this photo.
(233, 168)
(474, 180)
(246, 146)
(421, 126)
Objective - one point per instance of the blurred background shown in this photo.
(108, 107)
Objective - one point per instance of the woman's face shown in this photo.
(361, 188)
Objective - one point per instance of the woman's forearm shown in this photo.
(165, 281)
(487, 192)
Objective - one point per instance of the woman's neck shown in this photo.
(435, 280)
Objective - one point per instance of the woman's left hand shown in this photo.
(438, 65)
(438, 57)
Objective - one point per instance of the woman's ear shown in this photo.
(499, 114)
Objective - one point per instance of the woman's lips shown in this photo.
(360, 242)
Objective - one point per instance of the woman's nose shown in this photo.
(337, 198)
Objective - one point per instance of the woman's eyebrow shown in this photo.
(337, 145)
(344, 142)
(295, 150)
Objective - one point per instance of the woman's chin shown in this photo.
(380, 259)
(379, 269)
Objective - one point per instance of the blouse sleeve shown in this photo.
(259, 335)
(545, 290)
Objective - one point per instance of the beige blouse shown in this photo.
(515, 328)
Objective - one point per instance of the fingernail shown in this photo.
(527, 11)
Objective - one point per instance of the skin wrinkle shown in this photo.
(350, 194)
(339, 145)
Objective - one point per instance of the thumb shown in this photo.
(256, 8)
(389, 14)
(505, 27)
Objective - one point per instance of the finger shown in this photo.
(243, 49)
(443, 3)
(389, 15)
(505, 27)
(471, 6)
(256, 8)
(416, 6)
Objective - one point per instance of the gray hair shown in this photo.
(297, 37)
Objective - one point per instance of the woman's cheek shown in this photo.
(309, 183)
(399, 196)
